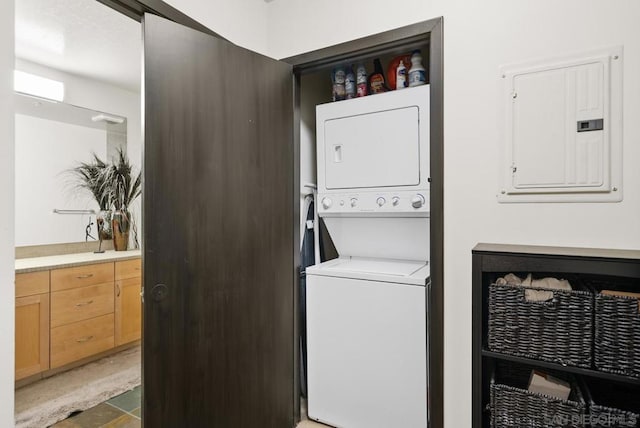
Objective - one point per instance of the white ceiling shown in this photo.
(83, 37)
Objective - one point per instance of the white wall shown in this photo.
(300, 26)
(478, 38)
(7, 289)
(44, 151)
(243, 22)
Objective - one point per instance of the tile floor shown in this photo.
(122, 411)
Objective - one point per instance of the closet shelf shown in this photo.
(559, 367)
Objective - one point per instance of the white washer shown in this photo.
(367, 343)
(367, 332)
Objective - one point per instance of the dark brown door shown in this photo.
(218, 208)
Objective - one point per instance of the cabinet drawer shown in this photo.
(128, 269)
(30, 284)
(64, 279)
(82, 339)
(82, 303)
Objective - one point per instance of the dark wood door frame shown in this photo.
(400, 41)
(431, 32)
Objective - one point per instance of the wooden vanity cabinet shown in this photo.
(32, 324)
(65, 315)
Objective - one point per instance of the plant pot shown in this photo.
(121, 225)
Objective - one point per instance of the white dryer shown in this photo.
(367, 333)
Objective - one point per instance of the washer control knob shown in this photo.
(326, 203)
(417, 201)
(381, 201)
(395, 201)
(354, 202)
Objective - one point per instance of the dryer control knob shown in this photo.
(417, 201)
(395, 201)
(381, 201)
(326, 203)
(354, 202)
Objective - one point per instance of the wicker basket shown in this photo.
(512, 406)
(617, 336)
(559, 330)
(612, 405)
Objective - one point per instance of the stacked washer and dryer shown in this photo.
(367, 327)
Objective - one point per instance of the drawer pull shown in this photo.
(89, 275)
(78, 305)
(84, 339)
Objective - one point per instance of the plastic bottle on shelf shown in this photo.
(361, 80)
(376, 80)
(350, 83)
(401, 76)
(417, 74)
(338, 78)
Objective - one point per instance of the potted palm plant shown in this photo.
(115, 187)
(124, 187)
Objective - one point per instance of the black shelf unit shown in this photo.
(492, 259)
(486, 354)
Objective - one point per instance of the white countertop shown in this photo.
(34, 264)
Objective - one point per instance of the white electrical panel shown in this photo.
(564, 130)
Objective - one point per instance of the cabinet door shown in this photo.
(32, 335)
(128, 310)
(219, 241)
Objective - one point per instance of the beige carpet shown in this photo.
(51, 400)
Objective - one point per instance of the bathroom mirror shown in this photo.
(50, 139)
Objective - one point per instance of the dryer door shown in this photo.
(379, 149)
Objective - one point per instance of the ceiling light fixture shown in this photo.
(38, 86)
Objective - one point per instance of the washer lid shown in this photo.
(385, 270)
(385, 267)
